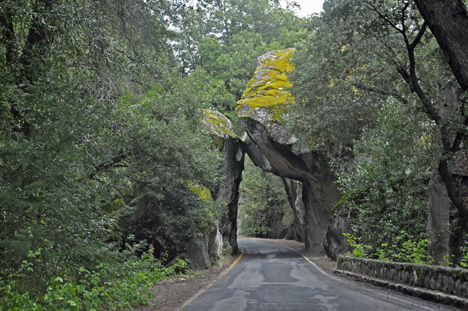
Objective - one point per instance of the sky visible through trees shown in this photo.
(309, 7)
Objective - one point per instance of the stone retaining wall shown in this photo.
(452, 281)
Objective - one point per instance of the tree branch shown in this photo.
(104, 166)
(390, 23)
(430, 110)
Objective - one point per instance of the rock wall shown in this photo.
(227, 193)
(262, 111)
(293, 189)
(451, 281)
(335, 242)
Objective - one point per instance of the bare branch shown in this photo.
(389, 22)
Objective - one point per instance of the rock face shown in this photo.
(198, 253)
(231, 173)
(262, 111)
(335, 242)
(293, 190)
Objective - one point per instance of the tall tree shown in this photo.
(382, 52)
(224, 37)
(448, 21)
(90, 114)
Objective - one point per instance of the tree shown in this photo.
(448, 22)
(386, 185)
(225, 37)
(92, 119)
(382, 53)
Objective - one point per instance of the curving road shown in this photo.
(273, 277)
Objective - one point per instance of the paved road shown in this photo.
(272, 277)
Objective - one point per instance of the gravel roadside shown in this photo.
(173, 292)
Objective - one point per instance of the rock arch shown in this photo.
(262, 110)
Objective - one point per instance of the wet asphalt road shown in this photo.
(273, 277)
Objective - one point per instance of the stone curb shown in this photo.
(423, 293)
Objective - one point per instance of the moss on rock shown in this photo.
(269, 88)
(201, 191)
(218, 124)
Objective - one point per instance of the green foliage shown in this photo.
(263, 204)
(225, 37)
(404, 248)
(359, 250)
(464, 261)
(356, 101)
(385, 185)
(353, 62)
(108, 287)
(91, 115)
(464, 253)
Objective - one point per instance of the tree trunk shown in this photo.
(438, 222)
(448, 21)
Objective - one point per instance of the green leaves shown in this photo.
(264, 211)
(225, 37)
(386, 182)
(92, 121)
(373, 93)
(125, 286)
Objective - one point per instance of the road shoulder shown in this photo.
(172, 293)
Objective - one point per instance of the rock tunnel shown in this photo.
(262, 111)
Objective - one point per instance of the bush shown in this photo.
(108, 287)
(385, 185)
(405, 248)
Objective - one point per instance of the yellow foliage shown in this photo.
(426, 140)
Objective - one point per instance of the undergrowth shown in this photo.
(404, 248)
(104, 288)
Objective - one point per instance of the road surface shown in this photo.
(273, 277)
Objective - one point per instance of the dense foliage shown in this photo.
(103, 152)
(374, 93)
(386, 187)
(224, 37)
(102, 148)
(264, 208)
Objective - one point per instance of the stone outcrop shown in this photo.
(293, 190)
(306, 175)
(335, 242)
(203, 250)
(198, 252)
(262, 111)
(227, 193)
